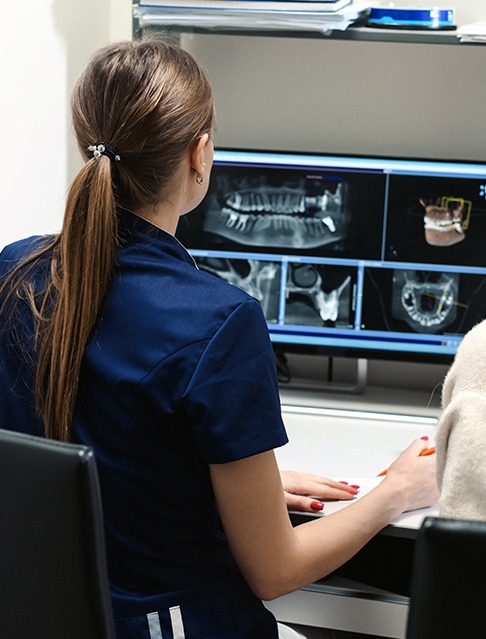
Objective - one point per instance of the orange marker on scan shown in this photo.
(427, 451)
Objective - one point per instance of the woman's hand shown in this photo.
(414, 477)
(304, 491)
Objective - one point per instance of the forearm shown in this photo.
(276, 558)
(322, 545)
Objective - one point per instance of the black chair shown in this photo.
(53, 575)
(448, 590)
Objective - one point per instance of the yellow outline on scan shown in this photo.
(465, 204)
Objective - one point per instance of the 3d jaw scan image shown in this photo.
(445, 220)
(436, 220)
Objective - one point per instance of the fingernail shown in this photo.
(424, 437)
(317, 505)
(344, 482)
(353, 492)
(353, 486)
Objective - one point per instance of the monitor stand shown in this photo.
(357, 385)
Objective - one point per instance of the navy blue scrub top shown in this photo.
(179, 373)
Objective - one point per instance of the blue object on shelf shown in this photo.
(393, 17)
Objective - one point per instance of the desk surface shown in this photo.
(353, 439)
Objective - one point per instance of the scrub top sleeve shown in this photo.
(5, 262)
(233, 397)
(12, 254)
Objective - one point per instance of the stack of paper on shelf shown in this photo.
(252, 5)
(474, 32)
(320, 15)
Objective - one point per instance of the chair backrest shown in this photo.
(448, 590)
(53, 574)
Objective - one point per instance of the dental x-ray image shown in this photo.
(426, 300)
(259, 278)
(299, 214)
(436, 220)
(422, 301)
(320, 295)
(292, 211)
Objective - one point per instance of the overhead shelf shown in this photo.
(199, 21)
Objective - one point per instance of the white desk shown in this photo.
(353, 439)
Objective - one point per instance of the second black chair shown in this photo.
(448, 591)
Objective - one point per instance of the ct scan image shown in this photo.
(258, 278)
(295, 214)
(422, 301)
(426, 300)
(320, 295)
(288, 211)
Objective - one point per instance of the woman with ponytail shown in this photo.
(110, 336)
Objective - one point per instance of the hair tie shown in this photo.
(102, 148)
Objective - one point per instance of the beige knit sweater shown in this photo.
(461, 434)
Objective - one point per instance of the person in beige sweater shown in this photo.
(461, 434)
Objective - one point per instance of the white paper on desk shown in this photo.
(365, 485)
(412, 519)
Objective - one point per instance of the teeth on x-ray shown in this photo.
(285, 216)
(426, 301)
(308, 281)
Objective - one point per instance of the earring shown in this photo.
(200, 180)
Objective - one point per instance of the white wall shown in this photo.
(44, 44)
(324, 95)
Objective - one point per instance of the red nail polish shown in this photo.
(425, 438)
(317, 505)
(344, 482)
(354, 492)
(353, 486)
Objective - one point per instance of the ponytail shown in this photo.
(81, 270)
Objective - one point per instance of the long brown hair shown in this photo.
(150, 101)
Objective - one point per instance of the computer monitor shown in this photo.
(371, 257)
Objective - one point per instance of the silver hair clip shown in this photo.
(97, 150)
(101, 148)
